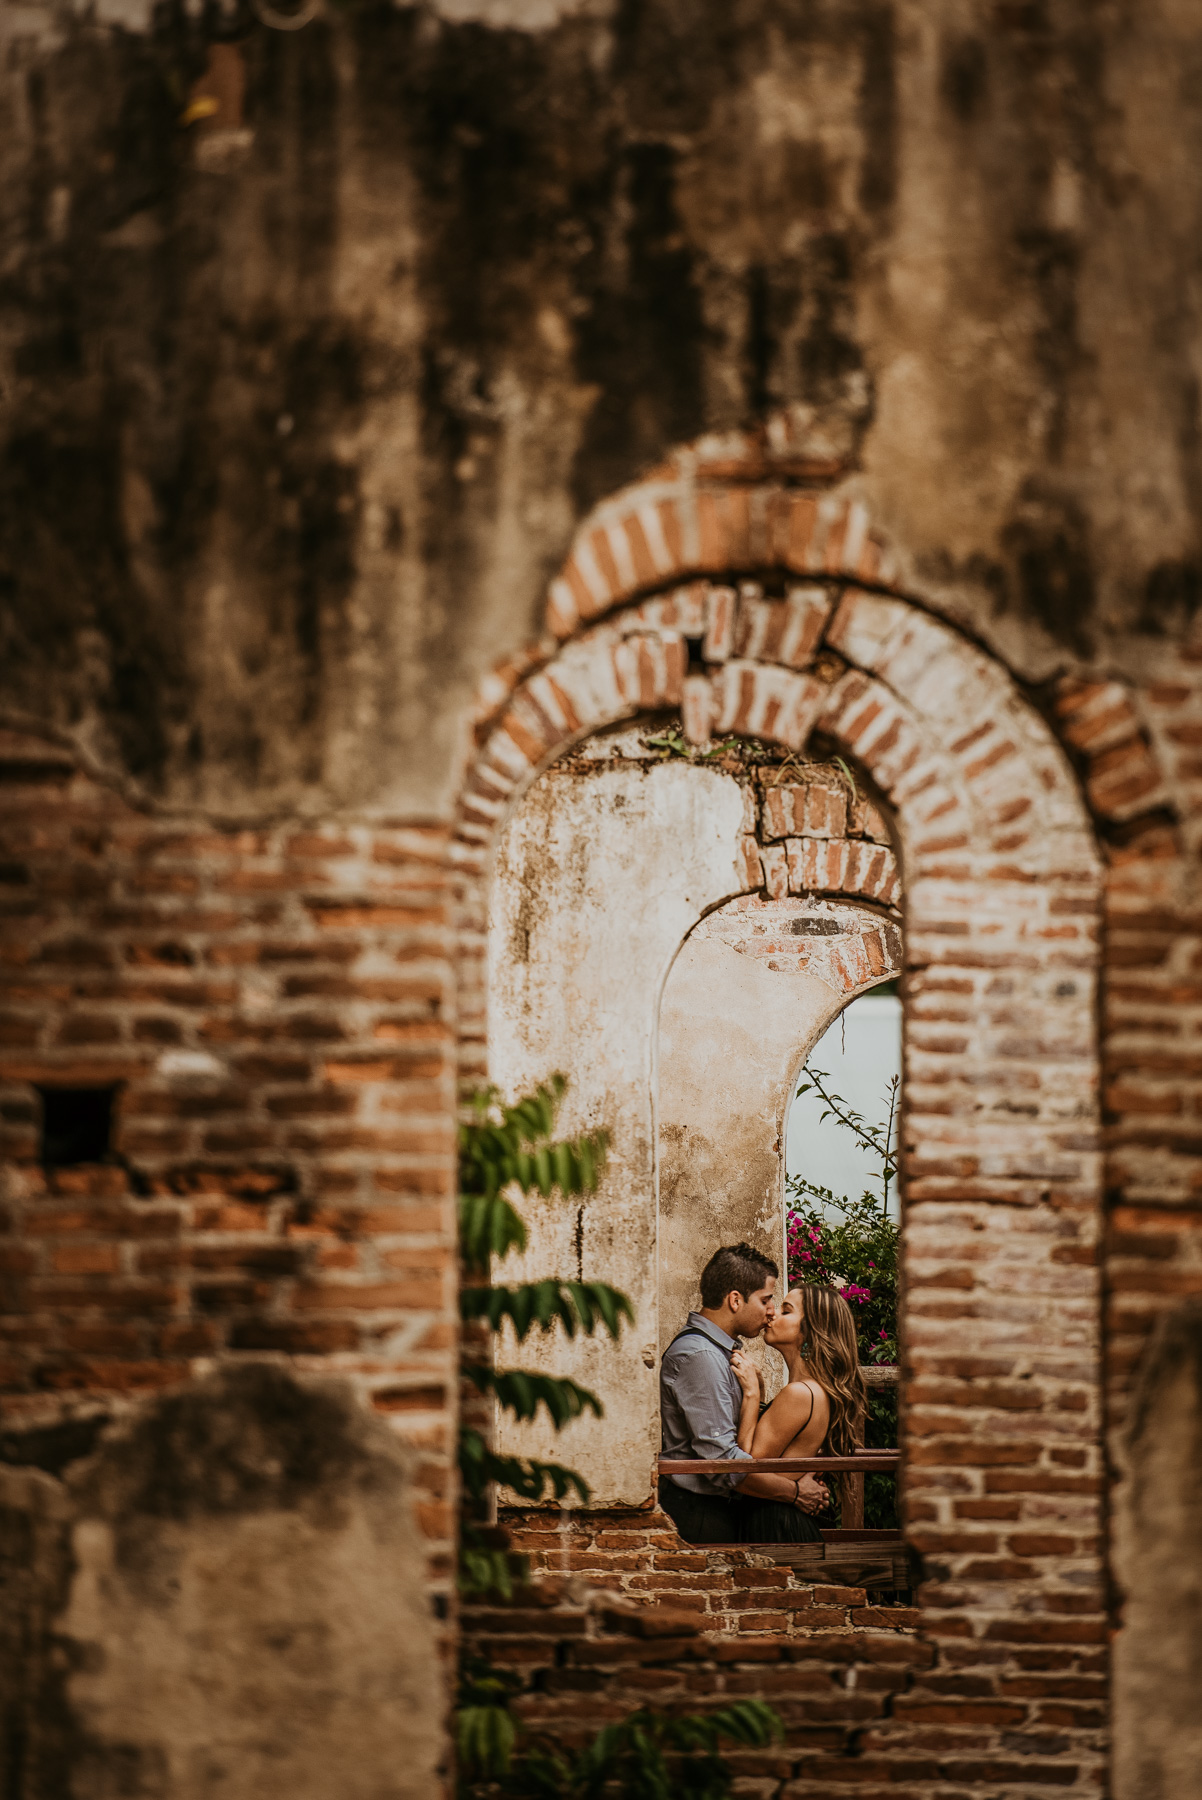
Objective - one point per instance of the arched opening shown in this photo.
(758, 984)
(1000, 1164)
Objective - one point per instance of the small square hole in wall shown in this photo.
(77, 1125)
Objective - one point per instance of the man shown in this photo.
(700, 1399)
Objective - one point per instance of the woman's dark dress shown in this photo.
(774, 1521)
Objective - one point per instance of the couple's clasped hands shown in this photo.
(811, 1494)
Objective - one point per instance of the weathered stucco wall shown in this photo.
(222, 1602)
(598, 879)
(1158, 1565)
(303, 398)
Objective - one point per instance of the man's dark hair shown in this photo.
(735, 1269)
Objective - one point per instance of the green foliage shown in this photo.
(488, 1227)
(877, 1139)
(653, 1756)
(648, 1756)
(487, 1568)
(513, 1148)
(673, 742)
(849, 777)
(573, 1303)
(880, 1491)
(521, 1393)
(499, 1145)
(484, 1729)
(481, 1468)
(853, 1246)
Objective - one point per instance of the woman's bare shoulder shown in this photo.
(802, 1396)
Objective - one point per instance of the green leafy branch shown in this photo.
(480, 1468)
(506, 1150)
(484, 1727)
(876, 1139)
(650, 1755)
(574, 1303)
(521, 1392)
(502, 1144)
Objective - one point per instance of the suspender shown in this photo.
(693, 1331)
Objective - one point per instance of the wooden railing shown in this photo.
(864, 1462)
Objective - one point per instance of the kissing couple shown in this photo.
(712, 1403)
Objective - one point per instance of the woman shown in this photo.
(820, 1410)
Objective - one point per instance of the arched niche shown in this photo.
(602, 870)
(620, 875)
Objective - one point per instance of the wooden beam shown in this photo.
(869, 1461)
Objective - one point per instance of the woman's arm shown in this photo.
(797, 1407)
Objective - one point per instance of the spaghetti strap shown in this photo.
(810, 1414)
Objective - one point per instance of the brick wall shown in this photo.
(1140, 759)
(868, 1705)
(734, 1591)
(273, 1009)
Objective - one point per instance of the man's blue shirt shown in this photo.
(700, 1400)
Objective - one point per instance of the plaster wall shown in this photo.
(305, 397)
(1158, 1564)
(597, 881)
(223, 1602)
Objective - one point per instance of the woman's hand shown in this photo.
(747, 1375)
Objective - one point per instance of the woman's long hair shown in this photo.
(830, 1348)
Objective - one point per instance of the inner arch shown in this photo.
(755, 986)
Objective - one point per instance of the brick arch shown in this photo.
(760, 499)
(1001, 1154)
(740, 500)
(864, 951)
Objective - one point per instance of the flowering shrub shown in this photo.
(852, 1245)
